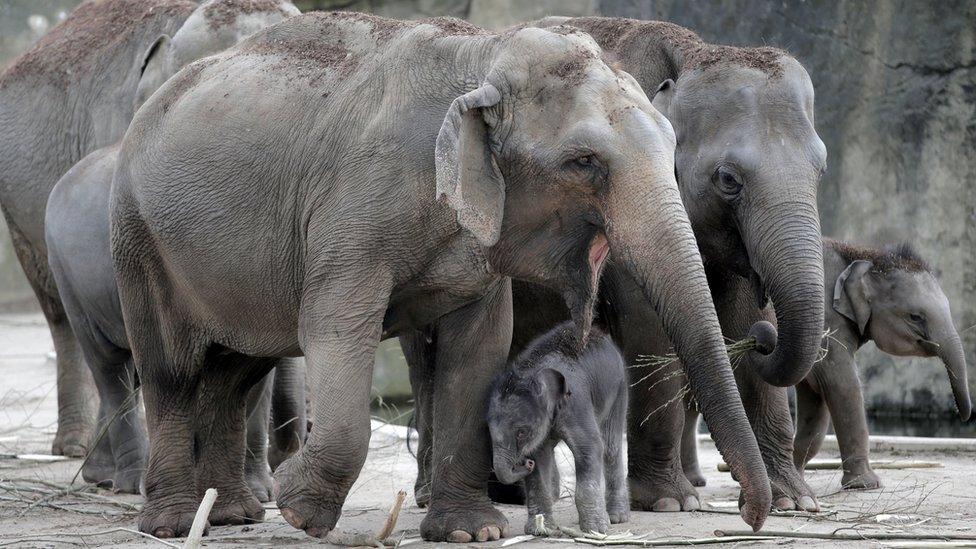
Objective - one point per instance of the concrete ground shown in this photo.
(941, 500)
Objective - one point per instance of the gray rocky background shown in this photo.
(896, 107)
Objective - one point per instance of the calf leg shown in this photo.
(842, 391)
(812, 421)
(538, 488)
(418, 349)
(123, 436)
(618, 499)
(689, 447)
(585, 441)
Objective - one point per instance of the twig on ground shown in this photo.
(380, 539)
(836, 464)
(200, 520)
(40, 537)
(857, 536)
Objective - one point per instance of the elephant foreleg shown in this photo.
(339, 341)
(842, 391)
(472, 346)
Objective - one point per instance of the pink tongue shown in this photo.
(598, 252)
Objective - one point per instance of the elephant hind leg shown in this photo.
(77, 403)
(231, 385)
(289, 418)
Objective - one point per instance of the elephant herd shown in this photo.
(200, 194)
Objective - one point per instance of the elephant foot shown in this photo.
(668, 494)
(71, 441)
(128, 481)
(695, 476)
(618, 516)
(864, 480)
(232, 511)
(463, 522)
(790, 492)
(597, 522)
(168, 521)
(315, 513)
(549, 528)
(261, 484)
(99, 472)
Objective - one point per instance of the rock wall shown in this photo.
(896, 107)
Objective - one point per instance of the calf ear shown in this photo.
(467, 177)
(851, 296)
(554, 384)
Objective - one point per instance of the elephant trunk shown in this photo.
(951, 352)
(656, 246)
(786, 254)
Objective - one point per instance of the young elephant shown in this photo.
(889, 296)
(555, 392)
(79, 253)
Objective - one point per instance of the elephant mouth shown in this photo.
(599, 250)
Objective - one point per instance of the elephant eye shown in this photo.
(729, 185)
(522, 434)
(916, 318)
(585, 160)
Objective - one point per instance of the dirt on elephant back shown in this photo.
(452, 26)
(225, 12)
(617, 33)
(91, 32)
(382, 29)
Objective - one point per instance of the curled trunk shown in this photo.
(951, 352)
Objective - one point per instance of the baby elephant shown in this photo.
(889, 296)
(555, 392)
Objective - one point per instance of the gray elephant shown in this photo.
(338, 179)
(79, 255)
(73, 92)
(889, 296)
(748, 164)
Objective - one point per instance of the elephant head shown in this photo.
(557, 161)
(212, 27)
(895, 300)
(749, 162)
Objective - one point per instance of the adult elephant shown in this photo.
(73, 92)
(338, 179)
(748, 163)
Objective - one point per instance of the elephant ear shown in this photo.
(553, 384)
(156, 67)
(663, 95)
(851, 296)
(467, 177)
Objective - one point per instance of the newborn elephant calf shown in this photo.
(889, 296)
(555, 392)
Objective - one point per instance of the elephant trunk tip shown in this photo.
(765, 335)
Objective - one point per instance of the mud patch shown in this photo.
(763, 59)
(310, 58)
(225, 12)
(92, 32)
(452, 26)
(383, 29)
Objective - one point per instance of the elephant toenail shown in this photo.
(317, 532)
(807, 503)
(292, 517)
(666, 505)
(784, 504)
(494, 533)
(691, 504)
(482, 535)
(459, 536)
(164, 533)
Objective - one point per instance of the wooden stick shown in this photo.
(391, 519)
(669, 542)
(836, 465)
(200, 520)
(863, 535)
